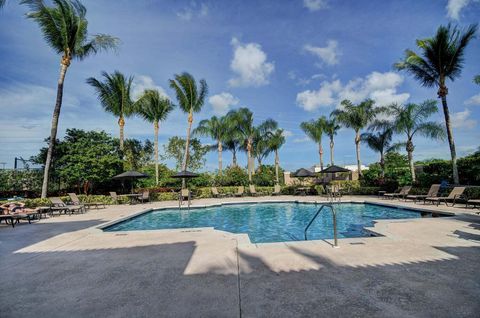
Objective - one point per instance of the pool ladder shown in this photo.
(334, 216)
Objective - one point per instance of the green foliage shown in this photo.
(137, 154)
(355, 117)
(64, 27)
(232, 176)
(397, 172)
(190, 97)
(114, 93)
(175, 149)
(20, 182)
(265, 176)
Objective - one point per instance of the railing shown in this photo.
(334, 215)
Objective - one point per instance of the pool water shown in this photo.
(269, 222)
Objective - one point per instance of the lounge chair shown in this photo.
(474, 203)
(145, 197)
(277, 190)
(114, 197)
(183, 195)
(333, 191)
(455, 194)
(253, 191)
(216, 194)
(14, 212)
(76, 201)
(433, 192)
(60, 206)
(240, 191)
(400, 194)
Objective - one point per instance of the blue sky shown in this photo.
(288, 60)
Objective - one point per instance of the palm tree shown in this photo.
(2, 3)
(411, 119)
(381, 141)
(64, 27)
(276, 141)
(261, 140)
(217, 129)
(190, 99)
(441, 58)
(243, 120)
(154, 109)
(331, 129)
(476, 79)
(356, 117)
(314, 129)
(114, 95)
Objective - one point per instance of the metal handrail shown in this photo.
(334, 215)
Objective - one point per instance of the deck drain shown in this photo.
(121, 234)
(357, 243)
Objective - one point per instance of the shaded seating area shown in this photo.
(432, 193)
(58, 205)
(400, 194)
(76, 201)
(455, 195)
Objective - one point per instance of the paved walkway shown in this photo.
(65, 267)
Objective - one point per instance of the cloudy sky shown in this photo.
(289, 60)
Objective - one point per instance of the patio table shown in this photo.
(132, 197)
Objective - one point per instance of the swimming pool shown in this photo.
(269, 222)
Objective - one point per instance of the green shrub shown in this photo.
(232, 176)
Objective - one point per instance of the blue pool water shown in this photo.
(269, 222)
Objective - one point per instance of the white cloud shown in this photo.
(249, 65)
(192, 10)
(328, 55)
(381, 87)
(455, 6)
(287, 133)
(324, 97)
(315, 5)
(473, 101)
(463, 120)
(221, 103)
(301, 140)
(143, 82)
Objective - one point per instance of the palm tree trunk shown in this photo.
(220, 160)
(451, 141)
(357, 148)
(249, 160)
(187, 144)
(121, 124)
(277, 163)
(332, 144)
(410, 149)
(53, 132)
(320, 152)
(234, 158)
(382, 164)
(155, 126)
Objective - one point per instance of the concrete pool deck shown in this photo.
(66, 267)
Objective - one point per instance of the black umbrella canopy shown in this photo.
(334, 169)
(185, 175)
(129, 175)
(303, 173)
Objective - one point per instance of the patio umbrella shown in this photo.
(185, 175)
(333, 170)
(303, 173)
(131, 176)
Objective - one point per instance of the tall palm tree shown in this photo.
(261, 140)
(331, 129)
(441, 58)
(154, 108)
(381, 141)
(114, 95)
(411, 119)
(64, 28)
(276, 141)
(356, 117)
(190, 99)
(243, 120)
(314, 129)
(233, 138)
(217, 129)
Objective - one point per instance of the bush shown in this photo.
(232, 176)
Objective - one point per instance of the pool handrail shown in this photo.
(334, 216)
